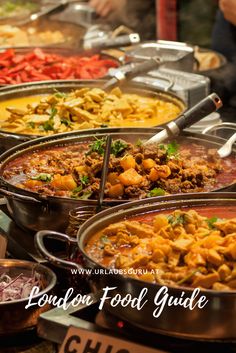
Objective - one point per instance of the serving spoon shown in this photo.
(226, 149)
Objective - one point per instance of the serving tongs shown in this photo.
(124, 40)
(199, 111)
(81, 214)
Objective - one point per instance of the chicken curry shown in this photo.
(181, 248)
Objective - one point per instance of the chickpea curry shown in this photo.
(183, 248)
(136, 171)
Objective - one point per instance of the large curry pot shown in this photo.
(216, 321)
(9, 139)
(34, 212)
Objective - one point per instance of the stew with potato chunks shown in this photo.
(135, 171)
(182, 248)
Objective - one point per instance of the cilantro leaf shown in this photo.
(188, 277)
(31, 124)
(172, 148)
(86, 195)
(53, 113)
(156, 192)
(59, 94)
(162, 147)
(43, 177)
(97, 146)
(84, 179)
(176, 220)
(66, 122)
(211, 221)
(139, 143)
(47, 126)
(76, 191)
(118, 147)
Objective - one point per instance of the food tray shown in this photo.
(180, 55)
(188, 86)
(79, 13)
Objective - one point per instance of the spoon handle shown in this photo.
(120, 77)
(206, 106)
(121, 41)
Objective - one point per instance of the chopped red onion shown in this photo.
(18, 287)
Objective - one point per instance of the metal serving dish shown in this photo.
(187, 85)
(8, 139)
(179, 56)
(13, 17)
(34, 212)
(216, 321)
(222, 62)
(63, 51)
(14, 316)
(73, 34)
(78, 12)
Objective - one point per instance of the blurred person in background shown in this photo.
(224, 41)
(228, 7)
(224, 32)
(106, 7)
(138, 15)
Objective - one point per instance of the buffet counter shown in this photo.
(117, 188)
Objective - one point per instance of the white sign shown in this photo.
(78, 340)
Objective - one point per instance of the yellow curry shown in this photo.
(84, 108)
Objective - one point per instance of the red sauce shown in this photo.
(206, 211)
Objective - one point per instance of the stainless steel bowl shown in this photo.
(216, 321)
(73, 33)
(33, 211)
(14, 316)
(210, 70)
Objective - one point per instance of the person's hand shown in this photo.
(228, 7)
(104, 7)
